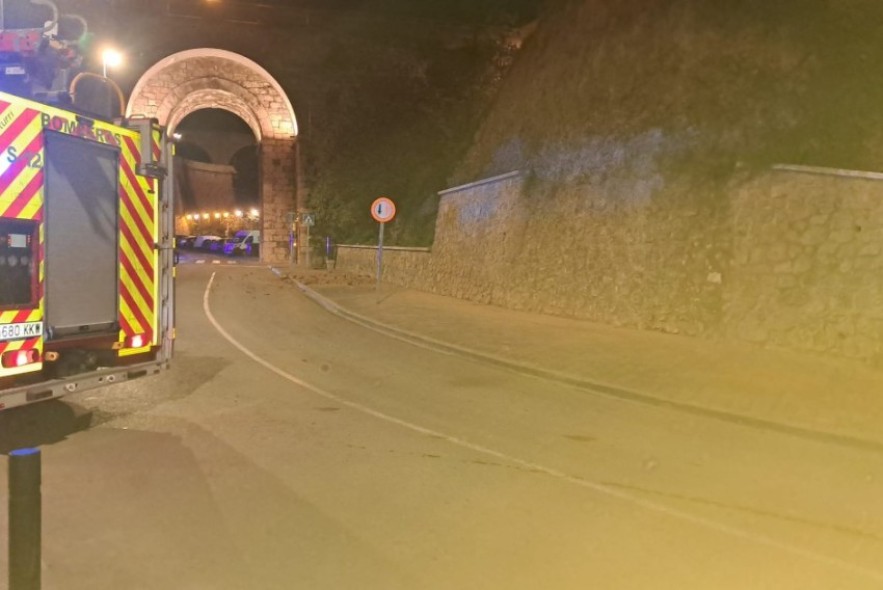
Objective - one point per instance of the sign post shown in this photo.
(382, 210)
(308, 219)
(292, 237)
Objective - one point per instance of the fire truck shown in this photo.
(86, 229)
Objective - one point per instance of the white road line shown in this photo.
(595, 486)
(200, 262)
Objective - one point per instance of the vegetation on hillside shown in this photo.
(401, 114)
(689, 88)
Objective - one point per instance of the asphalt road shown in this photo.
(290, 449)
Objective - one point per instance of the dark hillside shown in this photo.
(398, 124)
(689, 86)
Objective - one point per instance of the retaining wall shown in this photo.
(807, 270)
(791, 257)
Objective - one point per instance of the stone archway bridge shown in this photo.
(185, 82)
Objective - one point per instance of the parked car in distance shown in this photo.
(200, 242)
(218, 245)
(244, 243)
(184, 241)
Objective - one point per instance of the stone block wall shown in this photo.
(206, 187)
(278, 180)
(408, 267)
(478, 240)
(581, 255)
(807, 267)
(792, 258)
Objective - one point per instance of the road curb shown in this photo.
(581, 383)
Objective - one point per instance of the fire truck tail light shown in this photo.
(136, 341)
(19, 358)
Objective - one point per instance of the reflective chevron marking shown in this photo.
(22, 185)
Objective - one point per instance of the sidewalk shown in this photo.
(808, 395)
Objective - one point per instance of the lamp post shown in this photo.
(110, 57)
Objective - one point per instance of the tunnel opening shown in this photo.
(217, 176)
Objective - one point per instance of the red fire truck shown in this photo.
(86, 238)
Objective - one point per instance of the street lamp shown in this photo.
(110, 57)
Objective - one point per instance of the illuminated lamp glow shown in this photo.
(217, 215)
(19, 358)
(239, 213)
(135, 341)
(254, 212)
(111, 58)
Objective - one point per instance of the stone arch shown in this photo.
(188, 81)
(194, 152)
(195, 95)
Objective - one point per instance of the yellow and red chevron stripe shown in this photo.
(138, 255)
(21, 180)
(21, 197)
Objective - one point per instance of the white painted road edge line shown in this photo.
(600, 488)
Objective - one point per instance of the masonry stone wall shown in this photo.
(209, 186)
(807, 266)
(790, 258)
(408, 267)
(278, 192)
(582, 254)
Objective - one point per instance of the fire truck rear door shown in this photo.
(82, 237)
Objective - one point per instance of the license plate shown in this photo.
(21, 331)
